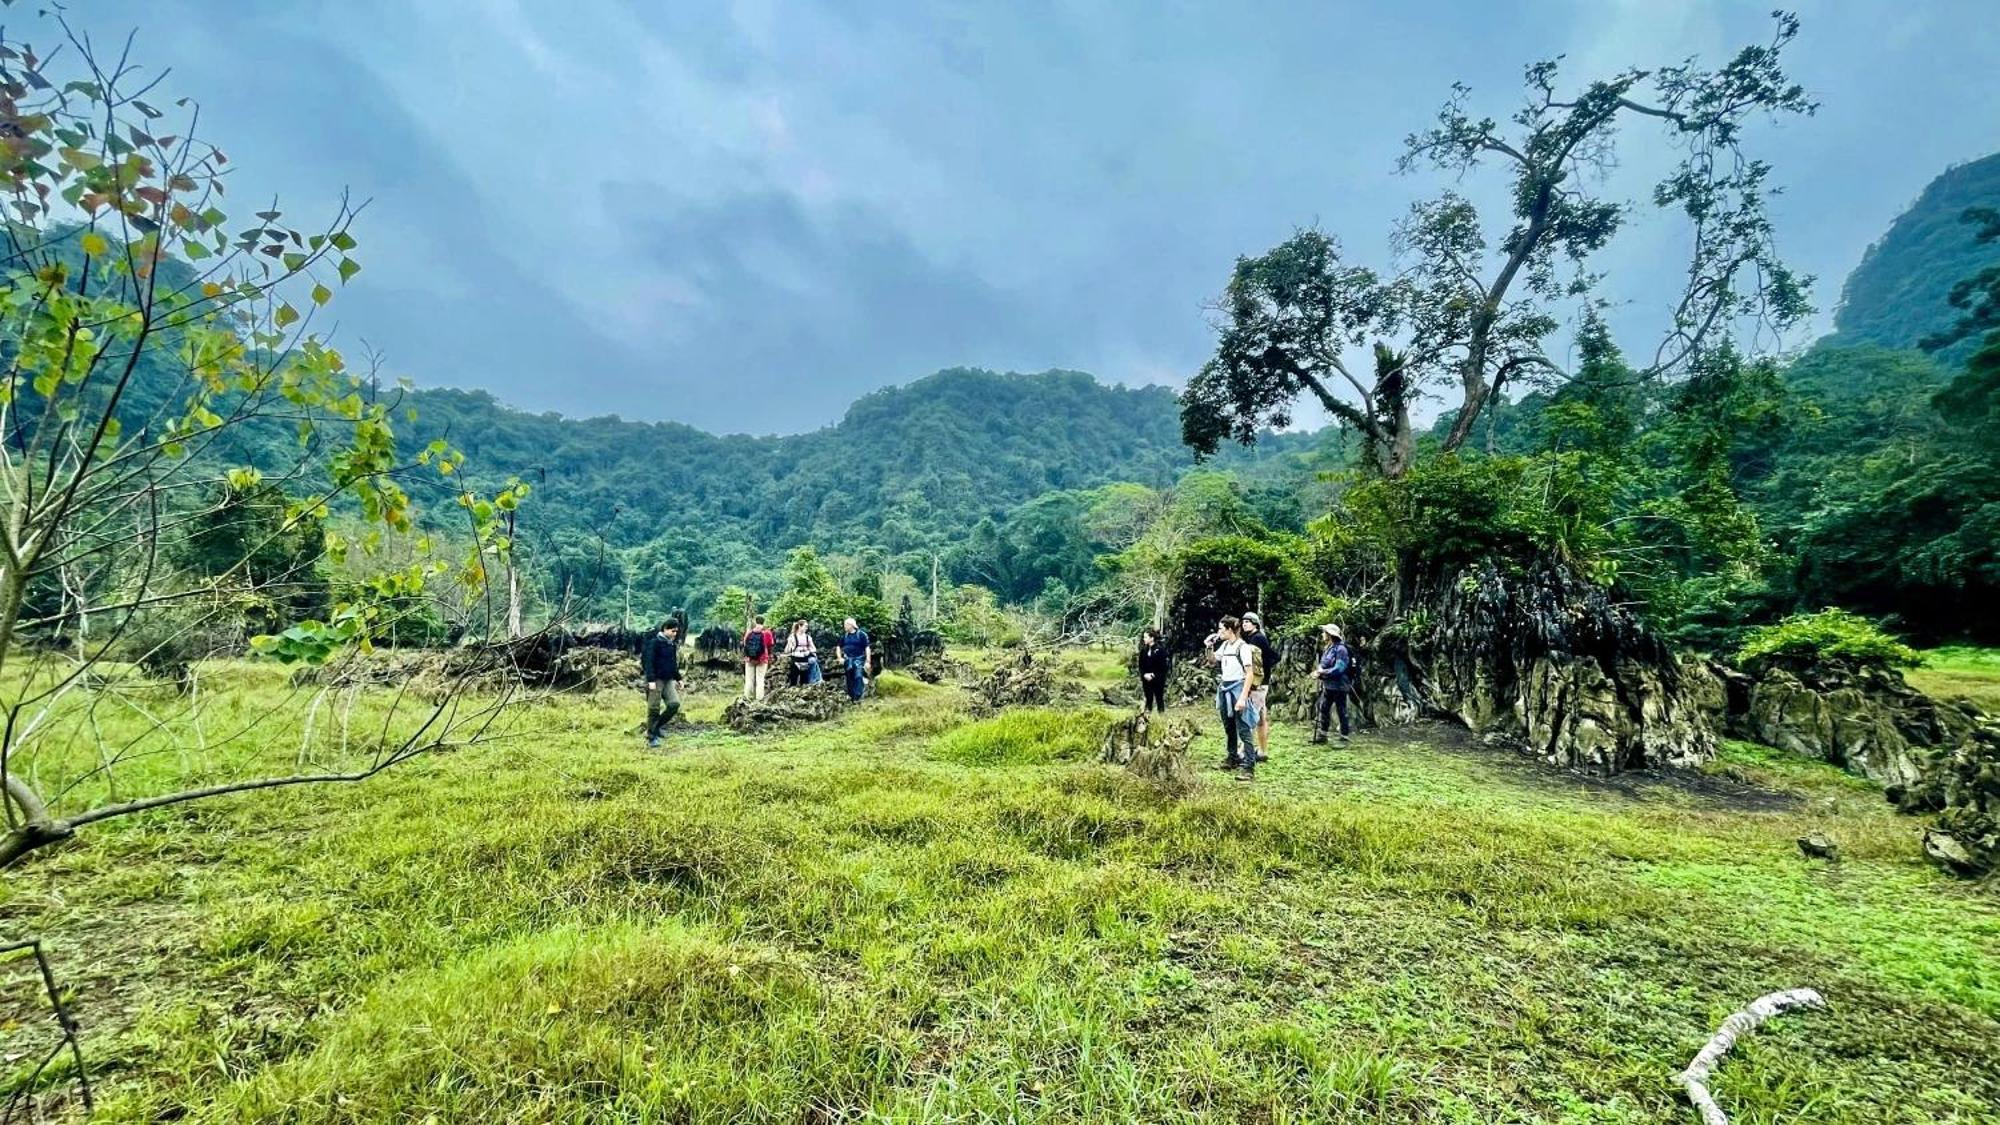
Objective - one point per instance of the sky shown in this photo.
(744, 215)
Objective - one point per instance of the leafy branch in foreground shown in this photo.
(157, 367)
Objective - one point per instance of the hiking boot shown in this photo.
(1230, 764)
(653, 743)
(1318, 740)
(1246, 775)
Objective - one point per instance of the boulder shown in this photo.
(1819, 845)
(1929, 756)
(1861, 717)
(1023, 682)
(933, 667)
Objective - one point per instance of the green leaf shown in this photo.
(348, 268)
(94, 243)
(321, 294)
(341, 240)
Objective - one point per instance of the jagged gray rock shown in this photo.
(1930, 756)
(1024, 682)
(1540, 658)
(1153, 748)
(808, 703)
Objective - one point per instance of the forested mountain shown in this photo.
(905, 465)
(1898, 294)
(910, 470)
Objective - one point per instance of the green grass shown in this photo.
(1032, 736)
(1961, 671)
(912, 915)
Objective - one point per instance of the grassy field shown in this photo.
(1961, 671)
(912, 915)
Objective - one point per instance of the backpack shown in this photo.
(1345, 679)
(753, 644)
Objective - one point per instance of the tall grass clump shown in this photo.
(1024, 738)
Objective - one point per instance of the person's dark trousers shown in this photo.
(796, 676)
(857, 681)
(663, 702)
(1242, 749)
(1330, 700)
(1156, 694)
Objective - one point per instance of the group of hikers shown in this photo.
(1240, 649)
(801, 656)
(1244, 660)
(660, 664)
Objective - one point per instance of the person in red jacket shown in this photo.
(758, 644)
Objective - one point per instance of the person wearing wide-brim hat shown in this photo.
(1336, 682)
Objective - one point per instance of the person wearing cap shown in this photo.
(1236, 662)
(660, 664)
(1336, 681)
(1254, 634)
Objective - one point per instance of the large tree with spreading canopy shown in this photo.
(1473, 304)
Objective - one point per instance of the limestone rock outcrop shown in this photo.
(1541, 659)
(1152, 747)
(1930, 756)
(807, 703)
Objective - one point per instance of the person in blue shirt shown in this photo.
(854, 655)
(1336, 682)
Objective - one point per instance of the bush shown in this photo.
(890, 685)
(1830, 634)
(974, 617)
(1022, 738)
(1226, 575)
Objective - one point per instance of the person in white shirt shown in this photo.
(799, 654)
(1238, 667)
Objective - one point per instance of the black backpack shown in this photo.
(753, 644)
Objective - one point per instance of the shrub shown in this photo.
(1028, 737)
(890, 685)
(1830, 634)
(1227, 575)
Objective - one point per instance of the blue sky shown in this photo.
(744, 215)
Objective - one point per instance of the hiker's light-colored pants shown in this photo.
(663, 702)
(753, 679)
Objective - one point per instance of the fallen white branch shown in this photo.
(1695, 1077)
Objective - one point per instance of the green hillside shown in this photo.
(909, 471)
(1899, 292)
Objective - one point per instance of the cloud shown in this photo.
(743, 215)
(791, 311)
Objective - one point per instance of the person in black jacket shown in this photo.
(660, 664)
(1154, 664)
(1253, 633)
